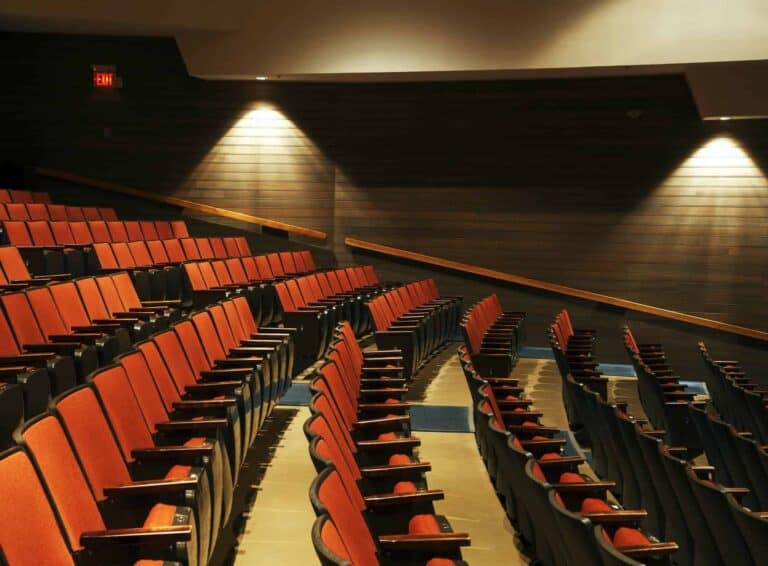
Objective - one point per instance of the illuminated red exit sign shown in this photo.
(104, 76)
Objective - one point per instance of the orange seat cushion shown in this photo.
(624, 536)
(571, 477)
(387, 436)
(161, 515)
(399, 459)
(423, 525)
(594, 505)
(550, 456)
(404, 487)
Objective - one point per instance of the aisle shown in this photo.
(277, 528)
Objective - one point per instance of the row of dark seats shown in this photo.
(148, 448)
(486, 333)
(711, 511)
(20, 195)
(371, 495)
(688, 503)
(43, 211)
(575, 354)
(740, 400)
(664, 398)
(561, 515)
(414, 319)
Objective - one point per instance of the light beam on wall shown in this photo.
(699, 231)
(261, 165)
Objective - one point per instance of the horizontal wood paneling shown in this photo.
(550, 180)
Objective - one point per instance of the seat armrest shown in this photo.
(150, 487)
(155, 536)
(382, 422)
(387, 445)
(390, 499)
(194, 425)
(399, 470)
(171, 452)
(619, 516)
(431, 544)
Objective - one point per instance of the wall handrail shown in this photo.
(559, 289)
(182, 203)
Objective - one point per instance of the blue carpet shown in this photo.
(622, 370)
(697, 387)
(298, 395)
(535, 352)
(438, 418)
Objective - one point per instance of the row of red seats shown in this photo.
(562, 516)
(42, 211)
(371, 495)
(43, 233)
(160, 438)
(492, 336)
(19, 195)
(317, 303)
(415, 319)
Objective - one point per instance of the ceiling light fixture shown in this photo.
(261, 78)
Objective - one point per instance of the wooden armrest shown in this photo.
(156, 536)
(182, 425)
(389, 499)
(401, 469)
(150, 487)
(619, 516)
(430, 544)
(650, 550)
(388, 445)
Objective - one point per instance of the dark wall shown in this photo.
(610, 185)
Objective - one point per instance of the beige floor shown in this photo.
(278, 527)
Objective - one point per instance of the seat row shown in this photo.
(316, 303)
(686, 502)
(574, 352)
(415, 319)
(152, 443)
(664, 398)
(740, 400)
(371, 496)
(563, 517)
(492, 336)
(43, 211)
(19, 195)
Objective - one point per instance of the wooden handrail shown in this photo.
(187, 204)
(559, 289)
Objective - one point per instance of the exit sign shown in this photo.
(105, 76)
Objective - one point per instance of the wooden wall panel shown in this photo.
(611, 185)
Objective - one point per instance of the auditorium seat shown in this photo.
(187, 448)
(424, 535)
(181, 347)
(166, 396)
(58, 327)
(20, 195)
(83, 522)
(32, 339)
(97, 310)
(42, 259)
(492, 336)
